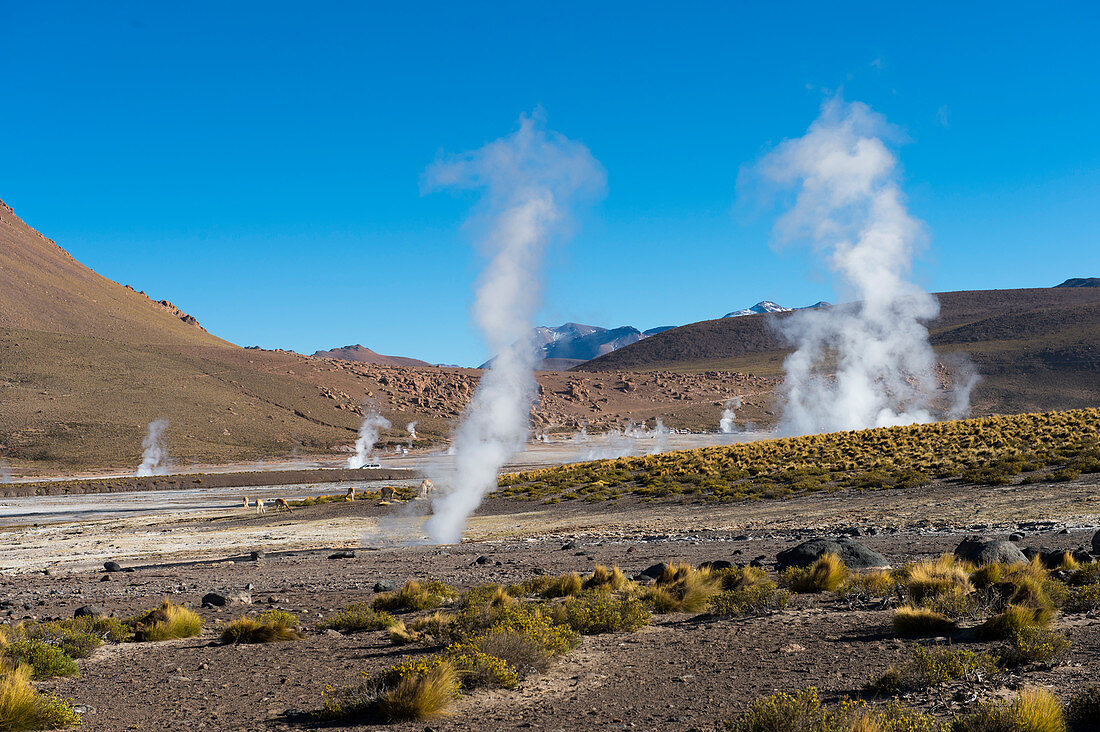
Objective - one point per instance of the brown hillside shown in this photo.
(363, 354)
(43, 288)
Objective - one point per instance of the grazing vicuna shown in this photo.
(427, 487)
(260, 506)
(387, 493)
(282, 505)
(351, 494)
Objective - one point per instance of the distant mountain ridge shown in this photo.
(362, 354)
(767, 306)
(1081, 282)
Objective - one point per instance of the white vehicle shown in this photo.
(370, 466)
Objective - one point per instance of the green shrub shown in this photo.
(358, 616)
(934, 666)
(1034, 710)
(868, 586)
(522, 652)
(415, 595)
(23, 708)
(783, 713)
(593, 612)
(477, 669)
(45, 661)
(1030, 644)
(1083, 599)
(756, 599)
(826, 574)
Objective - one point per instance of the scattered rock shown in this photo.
(216, 599)
(257, 555)
(89, 611)
(792, 648)
(334, 633)
(1016, 538)
(272, 600)
(483, 560)
(112, 566)
(716, 565)
(346, 554)
(852, 553)
(989, 551)
(653, 572)
(385, 586)
(1096, 543)
(105, 578)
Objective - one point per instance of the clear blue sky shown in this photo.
(259, 163)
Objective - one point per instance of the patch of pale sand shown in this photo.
(148, 539)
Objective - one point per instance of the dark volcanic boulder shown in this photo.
(989, 551)
(1096, 543)
(90, 611)
(852, 553)
(653, 572)
(112, 566)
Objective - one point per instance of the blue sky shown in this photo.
(259, 164)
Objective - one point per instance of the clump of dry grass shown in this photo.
(1014, 619)
(919, 622)
(928, 580)
(827, 574)
(166, 623)
(604, 578)
(1034, 710)
(24, 708)
(683, 588)
(431, 626)
(933, 666)
(412, 691)
(271, 626)
(415, 595)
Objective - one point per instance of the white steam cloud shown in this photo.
(531, 179)
(154, 456)
(849, 205)
(725, 424)
(372, 425)
(411, 429)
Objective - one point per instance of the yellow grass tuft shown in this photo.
(919, 622)
(420, 696)
(1037, 710)
(683, 588)
(270, 627)
(1015, 619)
(166, 623)
(827, 574)
(23, 708)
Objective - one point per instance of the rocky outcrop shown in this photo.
(852, 553)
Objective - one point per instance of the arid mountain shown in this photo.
(1035, 349)
(767, 306)
(363, 354)
(1081, 282)
(572, 344)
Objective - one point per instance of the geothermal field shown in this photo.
(870, 504)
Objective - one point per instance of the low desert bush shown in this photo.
(44, 660)
(919, 622)
(1014, 619)
(1031, 644)
(271, 626)
(1034, 710)
(492, 595)
(565, 585)
(527, 619)
(415, 595)
(1086, 574)
(826, 574)
(523, 653)
(431, 626)
(74, 643)
(682, 588)
(411, 691)
(166, 623)
(24, 708)
(359, 616)
(933, 666)
(803, 711)
(868, 586)
(478, 670)
(759, 598)
(1083, 599)
(1083, 709)
(593, 612)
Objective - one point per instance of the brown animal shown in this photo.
(281, 504)
(427, 487)
(351, 494)
(387, 493)
(246, 501)
(260, 506)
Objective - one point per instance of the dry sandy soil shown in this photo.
(681, 672)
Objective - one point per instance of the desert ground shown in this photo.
(680, 671)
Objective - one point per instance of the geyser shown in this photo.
(154, 456)
(867, 363)
(531, 180)
(725, 424)
(373, 424)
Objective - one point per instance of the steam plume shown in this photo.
(411, 429)
(154, 456)
(726, 423)
(530, 180)
(373, 424)
(849, 206)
